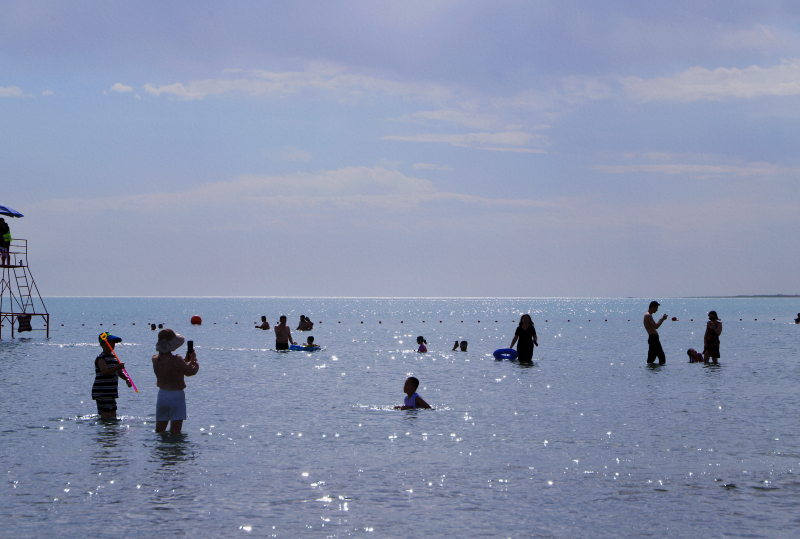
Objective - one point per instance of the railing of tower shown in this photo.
(19, 295)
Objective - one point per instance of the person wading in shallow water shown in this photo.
(170, 370)
(711, 338)
(651, 326)
(283, 335)
(526, 333)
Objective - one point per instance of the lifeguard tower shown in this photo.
(20, 300)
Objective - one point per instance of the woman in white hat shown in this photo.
(170, 370)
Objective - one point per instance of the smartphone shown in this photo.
(189, 347)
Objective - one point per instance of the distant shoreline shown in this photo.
(739, 297)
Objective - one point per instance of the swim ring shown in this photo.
(298, 348)
(505, 353)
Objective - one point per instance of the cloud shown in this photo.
(290, 154)
(11, 91)
(121, 88)
(512, 141)
(471, 120)
(699, 83)
(47, 92)
(747, 169)
(430, 166)
(321, 77)
(322, 193)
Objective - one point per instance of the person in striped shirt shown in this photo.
(106, 371)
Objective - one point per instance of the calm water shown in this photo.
(588, 442)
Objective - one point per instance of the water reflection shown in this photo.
(108, 440)
(173, 449)
(525, 364)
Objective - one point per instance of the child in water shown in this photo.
(310, 343)
(107, 371)
(412, 401)
(694, 356)
(422, 342)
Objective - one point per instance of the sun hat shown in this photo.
(168, 341)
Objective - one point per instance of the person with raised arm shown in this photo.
(653, 342)
(170, 369)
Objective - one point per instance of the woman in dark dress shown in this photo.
(526, 334)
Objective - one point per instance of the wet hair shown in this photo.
(310, 339)
(714, 313)
(523, 316)
(689, 353)
(283, 317)
(464, 342)
(264, 318)
(421, 338)
(414, 381)
(654, 304)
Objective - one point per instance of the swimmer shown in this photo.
(264, 323)
(694, 356)
(797, 320)
(463, 346)
(305, 324)
(412, 401)
(310, 343)
(422, 342)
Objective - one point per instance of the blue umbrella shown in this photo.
(5, 210)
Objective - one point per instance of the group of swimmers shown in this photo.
(283, 334)
(710, 352)
(170, 368)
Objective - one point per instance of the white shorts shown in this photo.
(171, 405)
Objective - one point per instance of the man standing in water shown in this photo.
(653, 341)
(283, 335)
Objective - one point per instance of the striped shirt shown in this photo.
(105, 386)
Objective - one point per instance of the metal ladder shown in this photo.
(24, 298)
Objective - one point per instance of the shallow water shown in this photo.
(587, 442)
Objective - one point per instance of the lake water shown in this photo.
(587, 442)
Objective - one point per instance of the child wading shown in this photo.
(106, 372)
(412, 400)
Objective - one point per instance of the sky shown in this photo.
(415, 148)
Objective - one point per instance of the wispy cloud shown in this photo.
(699, 83)
(11, 91)
(121, 88)
(746, 169)
(512, 141)
(348, 188)
(289, 154)
(321, 77)
(430, 166)
(472, 120)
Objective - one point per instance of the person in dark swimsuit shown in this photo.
(526, 334)
(283, 335)
(711, 338)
